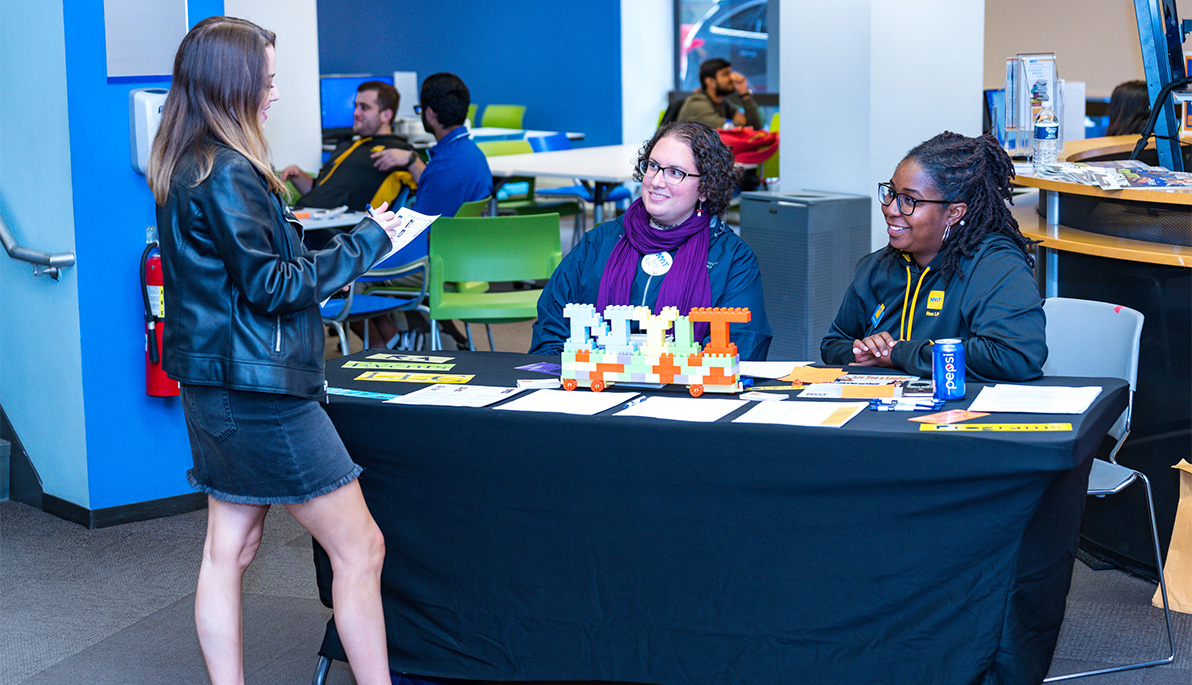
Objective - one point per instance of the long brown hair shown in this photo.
(220, 83)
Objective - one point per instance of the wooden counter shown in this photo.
(1065, 239)
(1099, 148)
(1075, 222)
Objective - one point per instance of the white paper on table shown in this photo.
(763, 396)
(795, 413)
(1035, 399)
(410, 224)
(822, 391)
(704, 410)
(536, 383)
(580, 402)
(329, 213)
(456, 395)
(769, 369)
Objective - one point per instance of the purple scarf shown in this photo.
(686, 285)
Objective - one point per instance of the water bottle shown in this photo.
(1047, 139)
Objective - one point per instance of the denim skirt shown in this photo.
(262, 448)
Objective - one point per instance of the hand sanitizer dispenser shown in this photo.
(144, 115)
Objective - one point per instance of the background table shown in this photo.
(599, 168)
(530, 546)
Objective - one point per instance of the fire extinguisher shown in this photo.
(157, 383)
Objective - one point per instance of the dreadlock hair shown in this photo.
(977, 172)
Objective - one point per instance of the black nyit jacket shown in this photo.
(241, 292)
(992, 304)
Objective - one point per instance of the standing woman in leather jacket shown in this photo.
(246, 342)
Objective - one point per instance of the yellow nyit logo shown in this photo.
(935, 301)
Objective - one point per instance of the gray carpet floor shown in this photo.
(115, 606)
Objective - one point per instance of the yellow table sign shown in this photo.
(397, 377)
(398, 366)
(1008, 427)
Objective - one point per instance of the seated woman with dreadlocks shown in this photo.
(956, 267)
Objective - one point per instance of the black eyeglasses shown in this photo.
(417, 109)
(906, 203)
(670, 174)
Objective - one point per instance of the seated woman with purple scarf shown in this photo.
(670, 248)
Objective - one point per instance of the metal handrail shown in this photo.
(43, 262)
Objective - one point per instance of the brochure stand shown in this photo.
(1032, 83)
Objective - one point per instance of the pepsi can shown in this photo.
(947, 369)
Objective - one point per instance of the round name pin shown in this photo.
(657, 264)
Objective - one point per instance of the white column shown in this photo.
(294, 129)
(647, 66)
(863, 81)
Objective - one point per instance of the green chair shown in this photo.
(491, 249)
(475, 208)
(503, 116)
(770, 166)
(523, 202)
(472, 115)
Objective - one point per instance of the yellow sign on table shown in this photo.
(398, 377)
(1009, 427)
(398, 366)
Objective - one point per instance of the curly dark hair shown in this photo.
(977, 172)
(718, 175)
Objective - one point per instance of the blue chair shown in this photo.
(560, 141)
(363, 302)
(360, 307)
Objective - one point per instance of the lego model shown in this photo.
(613, 357)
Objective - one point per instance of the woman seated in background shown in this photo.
(1129, 108)
(670, 248)
(956, 267)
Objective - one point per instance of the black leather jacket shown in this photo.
(242, 293)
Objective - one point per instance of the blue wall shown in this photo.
(137, 448)
(39, 323)
(560, 59)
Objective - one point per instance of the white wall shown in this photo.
(863, 81)
(293, 127)
(647, 65)
(1095, 41)
(40, 350)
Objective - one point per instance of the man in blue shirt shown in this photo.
(458, 171)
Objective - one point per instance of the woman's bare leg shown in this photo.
(233, 536)
(342, 524)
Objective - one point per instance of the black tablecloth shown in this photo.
(537, 546)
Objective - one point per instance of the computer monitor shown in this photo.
(994, 114)
(1096, 117)
(337, 93)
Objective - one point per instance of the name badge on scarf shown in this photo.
(657, 264)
